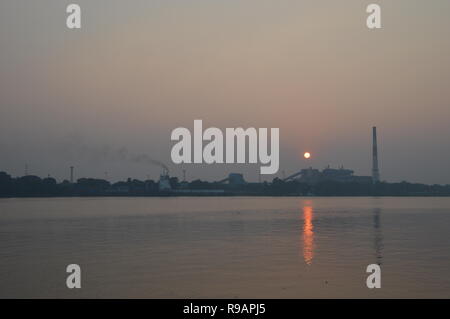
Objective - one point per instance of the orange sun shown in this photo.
(307, 155)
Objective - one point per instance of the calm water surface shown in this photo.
(225, 247)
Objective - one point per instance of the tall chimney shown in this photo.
(375, 171)
(71, 174)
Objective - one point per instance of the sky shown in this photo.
(106, 96)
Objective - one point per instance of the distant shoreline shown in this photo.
(215, 195)
(234, 185)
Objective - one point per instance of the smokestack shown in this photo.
(71, 174)
(375, 171)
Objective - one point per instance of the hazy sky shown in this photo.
(97, 97)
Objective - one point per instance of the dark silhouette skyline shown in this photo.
(34, 186)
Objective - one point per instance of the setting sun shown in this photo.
(307, 155)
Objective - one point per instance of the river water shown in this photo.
(225, 247)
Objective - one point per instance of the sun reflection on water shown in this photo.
(308, 234)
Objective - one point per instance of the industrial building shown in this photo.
(314, 176)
